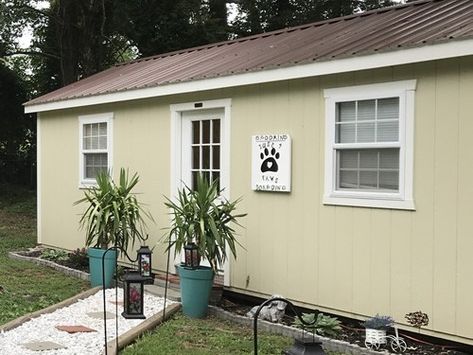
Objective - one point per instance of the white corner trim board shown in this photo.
(403, 56)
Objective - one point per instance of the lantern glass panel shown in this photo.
(191, 253)
(145, 265)
(135, 298)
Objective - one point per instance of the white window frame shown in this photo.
(403, 199)
(91, 119)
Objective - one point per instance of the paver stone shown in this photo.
(43, 345)
(99, 315)
(71, 329)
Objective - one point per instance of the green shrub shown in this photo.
(322, 324)
(54, 255)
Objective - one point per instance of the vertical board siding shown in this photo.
(401, 254)
(365, 261)
(362, 278)
(464, 305)
(354, 261)
(445, 196)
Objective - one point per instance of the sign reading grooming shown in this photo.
(271, 163)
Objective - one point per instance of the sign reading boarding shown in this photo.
(271, 162)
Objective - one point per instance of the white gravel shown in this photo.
(43, 327)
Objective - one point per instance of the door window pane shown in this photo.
(216, 157)
(206, 131)
(196, 157)
(216, 131)
(195, 132)
(206, 157)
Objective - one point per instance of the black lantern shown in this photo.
(133, 295)
(144, 264)
(191, 256)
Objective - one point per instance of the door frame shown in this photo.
(176, 151)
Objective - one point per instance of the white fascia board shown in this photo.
(403, 56)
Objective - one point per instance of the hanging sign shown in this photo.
(271, 163)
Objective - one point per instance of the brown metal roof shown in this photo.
(415, 24)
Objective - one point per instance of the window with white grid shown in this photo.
(95, 146)
(205, 149)
(369, 148)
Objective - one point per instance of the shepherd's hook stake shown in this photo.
(255, 318)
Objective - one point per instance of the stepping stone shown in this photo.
(71, 329)
(99, 315)
(43, 345)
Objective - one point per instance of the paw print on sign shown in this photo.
(269, 163)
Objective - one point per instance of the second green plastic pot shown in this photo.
(196, 286)
(95, 265)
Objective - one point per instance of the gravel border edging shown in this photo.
(275, 328)
(27, 317)
(61, 268)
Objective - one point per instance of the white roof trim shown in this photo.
(403, 56)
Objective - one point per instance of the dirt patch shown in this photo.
(75, 260)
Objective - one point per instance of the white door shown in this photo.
(202, 149)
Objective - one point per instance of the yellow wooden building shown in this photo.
(368, 201)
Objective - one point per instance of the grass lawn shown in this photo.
(26, 287)
(183, 335)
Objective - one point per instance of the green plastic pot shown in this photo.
(95, 265)
(196, 286)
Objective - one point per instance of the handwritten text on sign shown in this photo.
(271, 162)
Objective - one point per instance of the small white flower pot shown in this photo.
(375, 336)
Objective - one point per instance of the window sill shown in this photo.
(370, 202)
(87, 184)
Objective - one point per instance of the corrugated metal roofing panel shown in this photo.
(415, 24)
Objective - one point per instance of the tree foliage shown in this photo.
(256, 16)
(17, 147)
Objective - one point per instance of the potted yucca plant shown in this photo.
(203, 219)
(113, 217)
